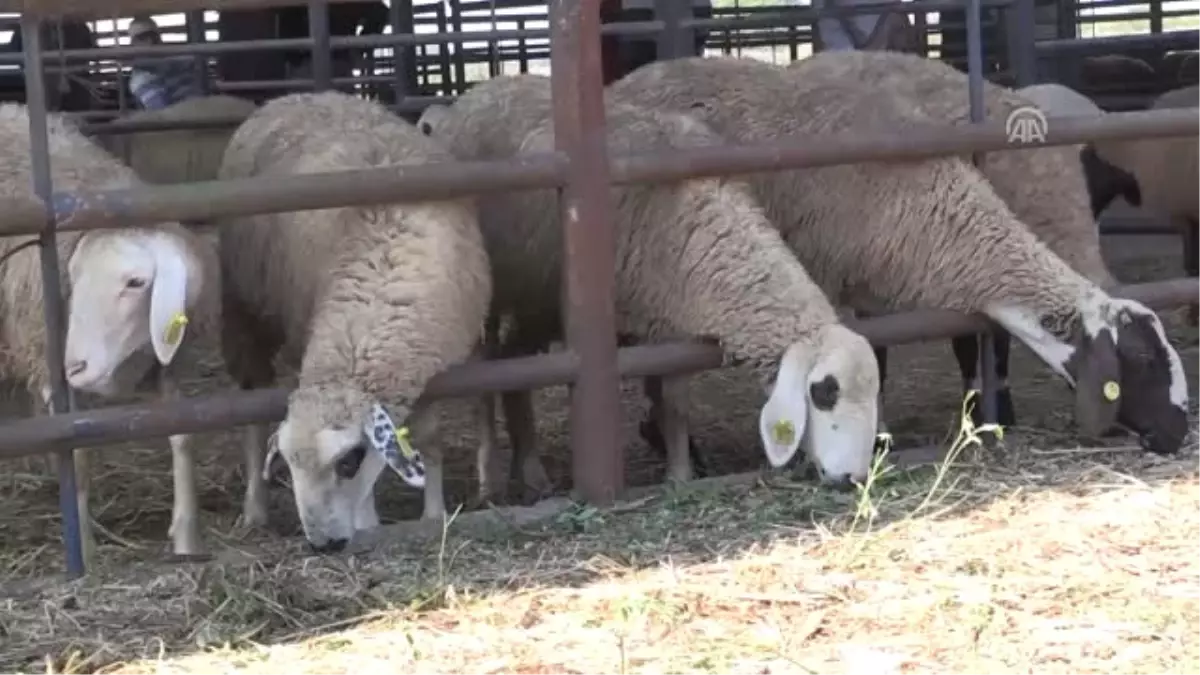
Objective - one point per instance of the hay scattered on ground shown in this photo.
(1061, 561)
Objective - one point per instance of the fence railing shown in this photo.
(579, 166)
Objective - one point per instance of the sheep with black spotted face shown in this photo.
(696, 259)
(129, 292)
(904, 235)
(367, 303)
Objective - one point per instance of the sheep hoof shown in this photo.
(186, 542)
(1005, 414)
(254, 516)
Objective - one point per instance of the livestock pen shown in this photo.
(649, 583)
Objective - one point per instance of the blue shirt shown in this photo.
(165, 82)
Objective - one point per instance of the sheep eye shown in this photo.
(135, 282)
(348, 465)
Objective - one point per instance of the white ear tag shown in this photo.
(392, 444)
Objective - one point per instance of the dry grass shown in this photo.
(1061, 562)
(1042, 556)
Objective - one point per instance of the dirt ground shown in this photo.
(425, 597)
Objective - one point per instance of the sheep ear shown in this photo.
(168, 300)
(432, 116)
(392, 444)
(783, 417)
(1097, 384)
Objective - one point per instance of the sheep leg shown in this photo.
(435, 499)
(1191, 259)
(185, 519)
(522, 435)
(651, 428)
(83, 481)
(254, 503)
(966, 351)
(673, 418)
(881, 428)
(493, 483)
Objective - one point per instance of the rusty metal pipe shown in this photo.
(218, 412)
(590, 244)
(211, 199)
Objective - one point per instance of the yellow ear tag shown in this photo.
(174, 332)
(784, 432)
(1112, 391)
(406, 447)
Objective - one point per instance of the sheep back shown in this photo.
(391, 294)
(179, 155)
(1045, 187)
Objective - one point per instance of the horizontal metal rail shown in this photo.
(216, 412)
(214, 199)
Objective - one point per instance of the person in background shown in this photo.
(160, 82)
(890, 31)
(622, 54)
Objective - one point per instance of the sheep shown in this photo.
(129, 293)
(1046, 188)
(1165, 171)
(180, 155)
(1105, 182)
(1114, 70)
(912, 233)
(368, 303)
(695, 259)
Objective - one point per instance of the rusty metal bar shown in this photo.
(986, 342)
(598, 457)
(321, 57)
(212, 199)
(52, 300)
(218, 412)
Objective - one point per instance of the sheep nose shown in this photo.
(842, 483)
(76, 367)
(331, 546)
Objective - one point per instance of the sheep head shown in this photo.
(130, 289)
(337, 441)
(825, 399)
(1116, 356)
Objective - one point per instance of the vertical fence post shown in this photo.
(52, 310)
(196, 35)
(1020, 28)
(400, 14)
(987, 340)
(590, 248)
(322, 56)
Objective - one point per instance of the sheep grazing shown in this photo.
(1044, 187)
(180, 155)
(368, 303)
(1105, 182)
(909, 234)
(141, 303)
(695, 259)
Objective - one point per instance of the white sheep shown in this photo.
(130, 291)
(930, 233)
(368, 303)
(179, 155)
(695, 259)
(1045, 187)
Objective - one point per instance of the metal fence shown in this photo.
(579, 166)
